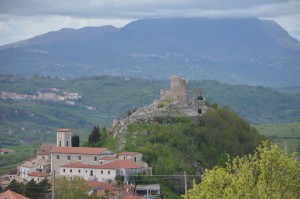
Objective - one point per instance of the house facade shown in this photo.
(101, 173)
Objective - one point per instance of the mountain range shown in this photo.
(244, 51)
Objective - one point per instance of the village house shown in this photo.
(97, 164)
(6, 151)
(102, 173)
(38, 176)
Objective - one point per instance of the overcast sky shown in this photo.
(22, 19)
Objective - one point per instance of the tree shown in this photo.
(75, 141)
(15, 186)
(33, 190)
(95, 136)
(75, 189)
(268, 173)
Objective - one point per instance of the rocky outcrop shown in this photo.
(174, 102)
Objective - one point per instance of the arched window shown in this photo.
(67, 143)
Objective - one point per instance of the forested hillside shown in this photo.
(104, 98)
(174, 147)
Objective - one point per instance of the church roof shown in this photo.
(79, 150)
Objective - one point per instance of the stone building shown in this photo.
(178, 91)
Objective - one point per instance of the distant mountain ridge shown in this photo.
(248, 51)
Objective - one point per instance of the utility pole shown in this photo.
(53, 186)
(185, 184)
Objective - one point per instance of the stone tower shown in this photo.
(64, 138)
(178, 91)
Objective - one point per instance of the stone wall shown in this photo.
(178, 91)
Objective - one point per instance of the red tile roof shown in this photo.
(38, 174)
(63, 130)
(79, 150)
(11, 195)
(99, 185)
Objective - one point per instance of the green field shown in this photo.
(283, 134)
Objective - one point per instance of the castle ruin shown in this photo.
(178, 91)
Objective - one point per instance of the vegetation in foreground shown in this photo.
(268, 173)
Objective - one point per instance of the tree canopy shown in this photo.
(268, 173)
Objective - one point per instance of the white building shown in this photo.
(27, 167)
(38, 176)
(103, 173)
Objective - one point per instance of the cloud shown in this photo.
(21, 19)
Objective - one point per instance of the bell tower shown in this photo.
(64, 137)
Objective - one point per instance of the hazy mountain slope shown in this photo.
(248, 51)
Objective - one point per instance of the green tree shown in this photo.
(15, 186)
(268, 173)
(33, 190)
(75, 141)
(75, 189)
(95, 136)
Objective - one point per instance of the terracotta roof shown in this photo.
(45, 149)
(99, 185)
(38, 174)
(11, 195)
(79, 150)
(63, 130)
(128, 153)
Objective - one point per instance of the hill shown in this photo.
(247, 51)
(106, 98)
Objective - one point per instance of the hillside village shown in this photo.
(101, 166)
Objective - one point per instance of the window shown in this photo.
(79, 171)
(79, 157)
(67, 143)
(95, 158)
(101, 172)
(57, 156)
(135, 159)
(64, 170)
(92, 173)
(108, 172)
(85, 171)
(43, 157)
(59, 143)
(69, 157)
(70, 170)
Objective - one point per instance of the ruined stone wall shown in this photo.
(178, 90)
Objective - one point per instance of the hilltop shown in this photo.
(104, 98)
(244, 51)
(177, 133)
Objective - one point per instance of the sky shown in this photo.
(23, 19)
